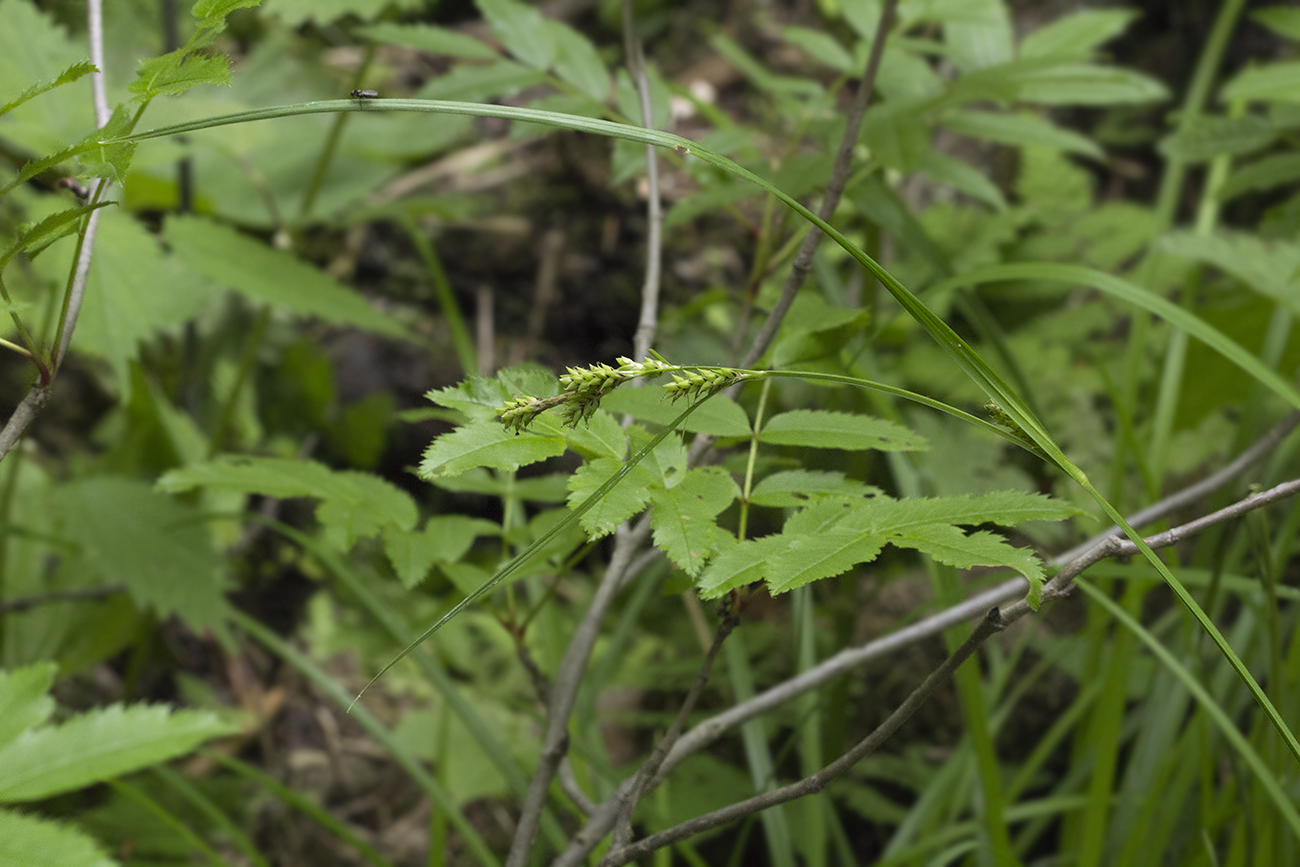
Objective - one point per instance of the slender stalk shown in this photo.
(648, 322)
(834, 189)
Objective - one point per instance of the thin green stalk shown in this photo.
(817, 809)
(440, 797)
(1226, 725)
(247, 359)
(460, 337)
(214, 814)
(301, 803)
(762, 770)
(332, 141)
(743, 523)
(169, 819)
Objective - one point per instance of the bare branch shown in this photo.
(564, 690)
(623, 831)
(648, 323)
(989, 626)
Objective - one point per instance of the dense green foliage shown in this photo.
(312, 427)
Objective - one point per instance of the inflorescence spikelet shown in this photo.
(585, 386)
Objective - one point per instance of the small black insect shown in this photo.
(366, 94)
(77, 189)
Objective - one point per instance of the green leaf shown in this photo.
(1282, 20)
(98, 745)
(1086, 84)
(471, 83)
(1274, 82)
(1076, 36)
(488, 444)
(601, 436)
(743, 564)
(444, 539)
(1268, 267)
(34, 47)
(353, 504)
(178, 71)
(1262, 174)
(979, 34)
(1020, 129)
(757, 73)
(30, 841)
(804, 559)
(820, 48)
(683, 516)
(961, 176)
(67, 76)
(427, 37)
(24, 700)
(719, 417)
(1205, 138)
(624, 500)
(46, 228)
(272, 276)
(1008, 508)
(823, 429)
(522, 30)
(152, 544)
(896, 134)
(578, 63)
(539, 489)
(478, 397)
(795, 488)
(949, 545)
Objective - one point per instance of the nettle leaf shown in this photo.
(47, 229)
(478, 397)
(24, 699)
(98, 745)
(1274, 81)
(719, 416)
(1207, 137)
(427, 37)
(353, 504)
(832, 536)
(1076, 36)
(522, 30)
(273, 276)
(601, 436)
(35, 842)
(684, 516)
(1008, 508)
(744, 564)
(824, 429)
(150, 543)
(538, 489)
(178, 71)
(488, 444)
(69, 75)
(621, 502)
(804, 559)
(444, 539)
(577, 61)
(796, 488)
(1020, 129)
